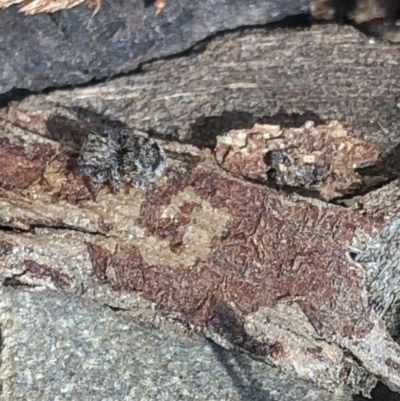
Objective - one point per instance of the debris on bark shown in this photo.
(322, 159)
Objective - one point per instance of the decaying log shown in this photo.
(322, 160)
(202, 249)
(70, 47)
(323, 74)
(74, 46)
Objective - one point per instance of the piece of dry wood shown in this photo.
(202, 249)
(284, 77)
(322, 160)
(72, 47)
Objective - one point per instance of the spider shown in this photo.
(117, 156)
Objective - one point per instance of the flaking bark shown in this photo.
(202, 249)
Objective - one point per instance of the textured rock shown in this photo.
(56, 346)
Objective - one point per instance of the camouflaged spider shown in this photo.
(117, 156)
(143, 161)
(99, 158)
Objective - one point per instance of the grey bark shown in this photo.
(68, 48)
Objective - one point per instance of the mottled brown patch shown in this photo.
(187, 208)
(46, 185)
(73, 191)
(243, 151)
(276, 350)
(104, 225)
(151, 214)
(271, 251)
(19, 169)
(127, 264)
(183, 290)
(61, 280)
(276, 251)
(100, 258)
(321, 158)
(172, 226)
(5, 248)
(162, 195)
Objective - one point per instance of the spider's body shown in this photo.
(120, 156)
(143, 161)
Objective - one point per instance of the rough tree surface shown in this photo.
(71, 47)
(290, 280)
(181, 98)
(203, 249)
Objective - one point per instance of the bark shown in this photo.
(71, 47)
(202, 249)
(74, 46)
(285, 77)
(315, 160)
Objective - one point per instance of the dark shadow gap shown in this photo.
(386, 170)
(13, 282)
(380, 393)
(204, 131)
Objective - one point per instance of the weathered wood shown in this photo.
(202, 249)
(284, 76)
(69, 47)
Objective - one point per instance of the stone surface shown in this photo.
(56, 346)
